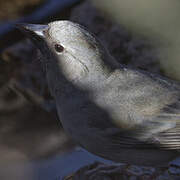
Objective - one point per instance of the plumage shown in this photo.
(118, 113)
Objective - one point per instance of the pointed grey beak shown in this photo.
(35, 30)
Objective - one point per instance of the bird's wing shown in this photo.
(153, 107)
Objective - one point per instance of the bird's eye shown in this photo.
(58, 48)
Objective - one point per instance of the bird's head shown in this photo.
(68, 45)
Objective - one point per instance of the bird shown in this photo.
(119, 113)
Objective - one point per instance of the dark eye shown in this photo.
(59, 48)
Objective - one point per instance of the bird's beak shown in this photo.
(33, 30)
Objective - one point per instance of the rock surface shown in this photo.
(100, 171)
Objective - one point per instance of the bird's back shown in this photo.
(145, 111)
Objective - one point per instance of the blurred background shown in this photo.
(140, 33)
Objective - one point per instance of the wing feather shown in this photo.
(159, 113)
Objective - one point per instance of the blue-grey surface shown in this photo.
(49, 169)
(52, 168)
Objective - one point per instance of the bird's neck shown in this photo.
(101, 70)
(98, 73)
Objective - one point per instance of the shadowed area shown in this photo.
(32, 141)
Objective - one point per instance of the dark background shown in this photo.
(33, 144)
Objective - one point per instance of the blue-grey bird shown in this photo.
(118, 113)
